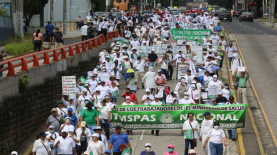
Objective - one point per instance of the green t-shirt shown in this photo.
(89, 116)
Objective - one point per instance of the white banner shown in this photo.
(69, 85)
(104, 76)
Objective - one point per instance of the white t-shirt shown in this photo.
(146, 102)
(188, 101)
(114, 89)
(206, 126)
(54, 135)
(132, 86)
(82, 98)
(194, 124)
(178, 57)
(231, 51)
(104, 112)
(156, 103)
(225, 93)
(131, 103)
(140, 65)
(165, 64)
(105, 90)
(216, 135)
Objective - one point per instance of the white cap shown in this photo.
(147, 144)
(71, 128)
(124, 57)
(97, 89)
(186, 93)
(215, 76)
(125, 45)
(71, 98)
(147, 90)
(193, 86)
(193, 82)
(219, 93)
(128, 97)
(85, 90)
(157, 96)
(14, 152)
(175, 92)
(95, 135)
(65, 130)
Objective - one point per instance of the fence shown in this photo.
(77, 47)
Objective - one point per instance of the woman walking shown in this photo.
(36, 40)
(47, 40)
(96, 146)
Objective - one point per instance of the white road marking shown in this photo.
(246, 26)
(259, 31)
(250, 28)
(264, 33)
(141, 135)
(272, 36)
(254, 29)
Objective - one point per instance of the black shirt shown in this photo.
(58, 37)
(221, 100)
(152, 57)
(46, 37)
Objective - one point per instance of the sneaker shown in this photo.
(230, 70)
(131, 132)
(127, 132)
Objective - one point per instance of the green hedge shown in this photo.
(18, 48)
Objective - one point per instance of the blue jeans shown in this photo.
(1, 73)
(232, 133)
(127, 76)
(152, 64)
(187, 141)
(165, 72)
(106, 127)
(91, 129)
(133, 91)
(216, 149)
(53, 149)
(230, 59)
(114, 100)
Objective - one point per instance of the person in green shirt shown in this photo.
(90, 116)
(242, 85)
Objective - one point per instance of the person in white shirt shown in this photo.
(166, 33)
(65, 144)
(189, 78)
(196, 42)
(102, 55)
(61, 109)
(115, 91)
(164, 66)
(105, 90)
(96, 145)
(160, 79)
(215, 81)
(210, 47)
(231, 51)
(105, 117)
(235, 63)
(66, 125)
(214, 137)
(195, 94)
(41, 146)
(128, 102)
(186, 99)
(205, 40)
(156, 102)
(226, 92)
(171, 97)
(84, 30)
(83, 97)
(206, 126)
(88, 18)
(215, 39)
(92, 83)
(71, 104)
(190, 128)
(208, 65)
(148, 98)
(179, 57)
(82, 137)
(103, 138)
(181, 87)
(51, 136)
(104, 27)
(139, 65)
(98, 97)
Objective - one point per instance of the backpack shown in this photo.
(201, 79)
(90, 31)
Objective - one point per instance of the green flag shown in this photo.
(97, 68)
(189, 134)
(90, 153)
(82, 79)
(111, 59)
(115, 94)
(140, 55)
(163, 102)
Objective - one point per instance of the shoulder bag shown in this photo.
(98, 151)
(45, 147)
(121, 146)
(194, 140)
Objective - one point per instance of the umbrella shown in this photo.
(129, 70)
(118, 39)
(147, 16)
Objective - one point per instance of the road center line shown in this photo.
(264, 33)
(259, 31)
(141, 135)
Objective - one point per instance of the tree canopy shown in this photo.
(32, 7)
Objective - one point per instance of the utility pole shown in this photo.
(154, 4)
(140, 6)
(171, 3)
(263, 9)
(272, 8)
(64, 17)
(51, 11)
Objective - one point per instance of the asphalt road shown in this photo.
(258, 45)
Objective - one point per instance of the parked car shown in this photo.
(237, 12)
(224, 15)
(246, 16)
(217, 12)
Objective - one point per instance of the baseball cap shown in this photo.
(215, 76)
(69, 109)
(128, 97)
(108, 151)
(207, 113)
(118, 127)
(97, 128)
(171, 146)
(231, 98)
(157, 96)
(43, 134)
(186, 93)
(159, 71)
(148, 144)
(85, 90)
(95, 135)
(83, 124)
(53, 109)
(64, 130)
(147, 90)
(71, 98)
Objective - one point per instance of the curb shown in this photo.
(29, 151)
(240, 143)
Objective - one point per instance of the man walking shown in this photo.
(152, 59)
(90, 116)
(50, 28)
(242, 85)
(118, 139)
(79, 20)
(54, 120)
(84, 30)
(58, 38)
(64, 144)
(206, 126)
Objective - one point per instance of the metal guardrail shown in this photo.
(72, 49)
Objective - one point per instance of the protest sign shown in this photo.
(104, 76)
(189, 35)
(82, 79)
(69, 85)
(184, 24)
(214, 90)
(241, 69)
(181, 70)
(173, 116)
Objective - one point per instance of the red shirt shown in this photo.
(133, 97)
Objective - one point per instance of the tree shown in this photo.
(32, 7)
(3, 10)
(111, 4)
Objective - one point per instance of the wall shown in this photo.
(21, 114)
(6, 30)
(35, 21)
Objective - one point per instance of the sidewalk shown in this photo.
(70, 34)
